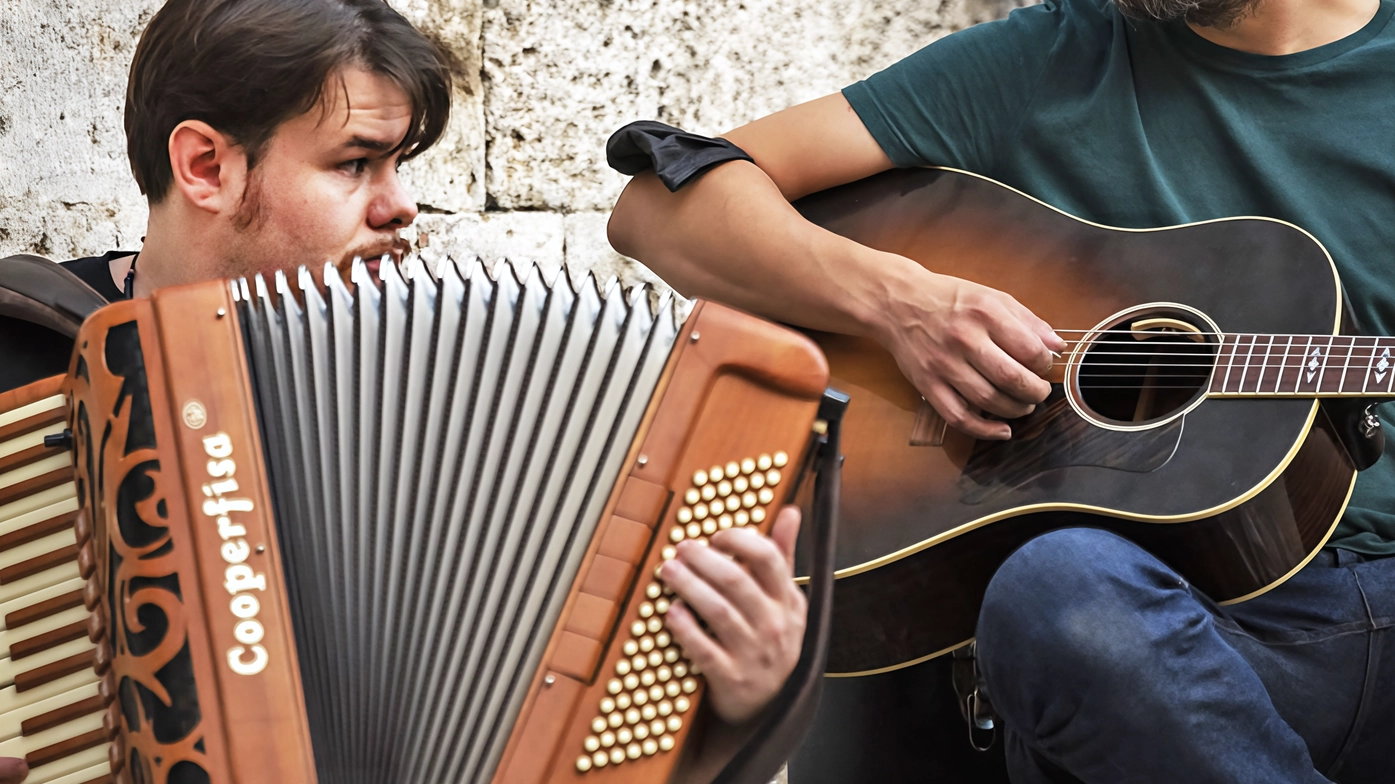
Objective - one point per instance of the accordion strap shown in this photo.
(754, 752)
(37, 290)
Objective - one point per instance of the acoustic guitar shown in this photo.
(1185, 414)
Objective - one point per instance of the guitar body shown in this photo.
(1236, 494)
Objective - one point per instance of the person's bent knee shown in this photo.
(1067, 600)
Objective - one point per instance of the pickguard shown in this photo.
(1054, 437)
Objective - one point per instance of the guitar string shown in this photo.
(1186, 333)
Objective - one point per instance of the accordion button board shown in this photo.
(409, 529)
(51, 705)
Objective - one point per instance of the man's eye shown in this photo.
(354, 167)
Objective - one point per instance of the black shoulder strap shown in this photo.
(38, 290)
(754, 752)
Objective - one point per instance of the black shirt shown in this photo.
(29, 352)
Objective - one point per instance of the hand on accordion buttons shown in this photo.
(743, 588)
(12, 771)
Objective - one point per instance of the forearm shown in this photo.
(732, 237)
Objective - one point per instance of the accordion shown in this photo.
(399, 530)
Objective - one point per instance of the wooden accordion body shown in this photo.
(514, 635)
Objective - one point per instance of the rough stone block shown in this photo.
(449, 178)
(522, 237)
(65, 184)
(561, 75)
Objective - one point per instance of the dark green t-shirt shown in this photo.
(1144, 124)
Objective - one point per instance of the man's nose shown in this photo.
(393, 206)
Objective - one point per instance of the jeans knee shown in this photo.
(1070, 599)
(1063, 565)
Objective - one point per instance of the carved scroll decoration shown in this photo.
(123, 489)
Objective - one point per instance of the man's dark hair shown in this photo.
(247, 66)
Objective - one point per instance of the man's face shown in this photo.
(326, 187)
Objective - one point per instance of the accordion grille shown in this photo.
(440, 451)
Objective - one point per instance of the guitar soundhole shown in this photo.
(1145, 368)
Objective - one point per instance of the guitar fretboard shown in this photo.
(1304, 366)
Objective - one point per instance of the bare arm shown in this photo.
(732, 236)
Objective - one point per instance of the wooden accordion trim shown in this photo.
(179, 573)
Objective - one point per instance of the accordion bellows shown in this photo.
(407, 530)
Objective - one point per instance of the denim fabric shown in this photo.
(1106, 663)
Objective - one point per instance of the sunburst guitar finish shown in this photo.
(1184, 415)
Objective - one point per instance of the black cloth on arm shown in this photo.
(29, 352)
(675, 155)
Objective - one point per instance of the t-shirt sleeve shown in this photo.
(953, 102)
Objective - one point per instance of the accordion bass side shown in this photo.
(408, 530)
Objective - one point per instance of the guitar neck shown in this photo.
(1304, 366)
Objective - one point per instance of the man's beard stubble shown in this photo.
(1221, 14)
(251, 218)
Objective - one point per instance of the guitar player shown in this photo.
(1104, 665)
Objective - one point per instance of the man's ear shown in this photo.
(209, 170)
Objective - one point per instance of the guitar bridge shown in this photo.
(929, 428)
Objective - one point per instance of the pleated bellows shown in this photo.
(440, 450)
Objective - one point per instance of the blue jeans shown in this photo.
(1105, 663)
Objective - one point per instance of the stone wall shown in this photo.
(541, 84)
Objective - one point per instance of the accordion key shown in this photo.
(408, 529)
(52, 703)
